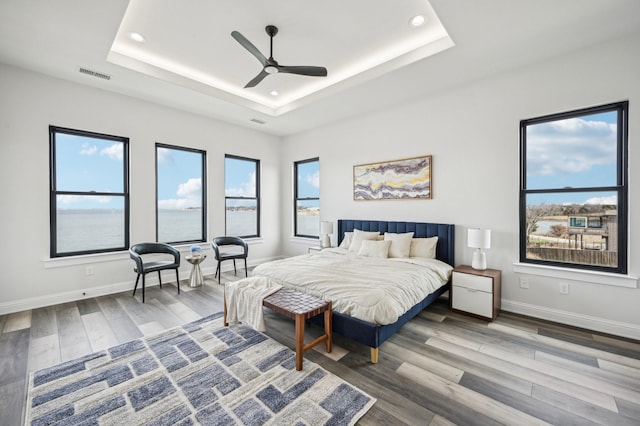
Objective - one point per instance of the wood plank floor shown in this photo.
(442, 368)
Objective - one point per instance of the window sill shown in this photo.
(305, 240)
(61, 262)
(576, 275)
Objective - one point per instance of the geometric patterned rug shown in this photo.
(200, 373)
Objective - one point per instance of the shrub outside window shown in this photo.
(573, 194)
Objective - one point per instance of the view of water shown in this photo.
(85, 230)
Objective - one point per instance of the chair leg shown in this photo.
(246, 271)
(218, 272)
(178, 280)
(160, 279)
(235, 271)
(143, 275)
(136, 287)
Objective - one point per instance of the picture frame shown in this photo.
(404, 179)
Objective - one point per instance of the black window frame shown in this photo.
(54, 192)
(256, 198)
(296, 198)
(621, 186)
(203, 237)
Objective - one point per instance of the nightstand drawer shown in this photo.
(472, 301)
(473, 282)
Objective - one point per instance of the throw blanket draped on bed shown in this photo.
(371, 289)
(244, 300)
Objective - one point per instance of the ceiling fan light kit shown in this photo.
(270, 65)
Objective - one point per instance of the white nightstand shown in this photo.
(476, 292)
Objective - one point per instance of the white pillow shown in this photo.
(346, 241)
(360, 236)
(424, 247)
(374, 248)
(400, 244)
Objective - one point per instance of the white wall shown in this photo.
(472, 134)
(29, 103)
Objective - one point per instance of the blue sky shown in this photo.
(309, 179)
(576, 153)
(88, 164)
(179, 179)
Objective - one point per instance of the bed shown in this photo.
(349, 318)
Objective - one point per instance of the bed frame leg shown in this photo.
(374, 355)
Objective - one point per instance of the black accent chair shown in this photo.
(230, 255)
(142, 268)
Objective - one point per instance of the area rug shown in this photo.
(200, 373)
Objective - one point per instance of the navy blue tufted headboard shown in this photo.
(445, 250)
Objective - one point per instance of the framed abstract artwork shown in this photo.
(406, 179)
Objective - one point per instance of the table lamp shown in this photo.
(326, 228)
(479, 239)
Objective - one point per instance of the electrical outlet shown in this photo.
(89, 270)
(564, 287)
(524, 282)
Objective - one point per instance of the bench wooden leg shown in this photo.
(328, 327)
(299, 340)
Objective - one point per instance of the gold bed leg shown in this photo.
(374, 355)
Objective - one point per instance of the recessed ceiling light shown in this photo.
(417, 20)
(273, 93)
(137, 37)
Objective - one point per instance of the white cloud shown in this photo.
(88, 149)
(164, 156)
(191, 188)
(113, 152)
(570, 146)
(246, 189)
(611, 200)
(189, 193)
(313, 179)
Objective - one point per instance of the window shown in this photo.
(180, 194)
(307, 198)
(89, 200)
(573, 193)
(242, 196)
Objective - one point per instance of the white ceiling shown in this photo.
(374, 57)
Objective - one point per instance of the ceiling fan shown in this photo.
(271, 66)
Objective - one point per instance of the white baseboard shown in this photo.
(603, 325)
(79, 294)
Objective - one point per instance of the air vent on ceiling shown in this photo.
(94, 73)
(255, 120)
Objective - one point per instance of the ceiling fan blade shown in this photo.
(257, 79)
(303, 70)
(249, 46)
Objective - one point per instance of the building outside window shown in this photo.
(573, 195)
(242, 196)
(89, 197)
(180, 194)
(307, 198)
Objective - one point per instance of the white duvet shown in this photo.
(371, 289)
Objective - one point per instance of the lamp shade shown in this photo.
(479, 238)
(326, 227)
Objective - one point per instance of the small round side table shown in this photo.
(195, 279)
